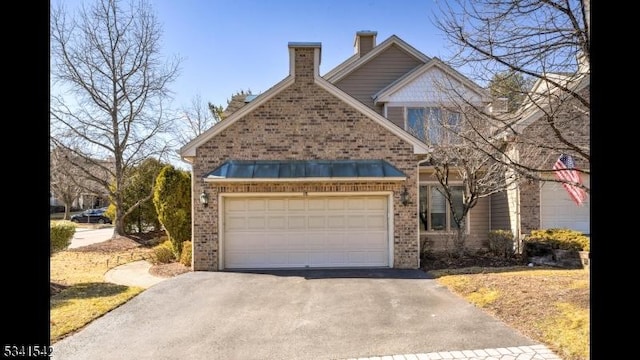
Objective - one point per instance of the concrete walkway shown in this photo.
(133, 274)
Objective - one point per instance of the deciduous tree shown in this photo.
(110, 85)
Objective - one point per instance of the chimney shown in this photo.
(365, 41)
(304, 60)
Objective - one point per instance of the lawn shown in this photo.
(547, 305)
(79, 292)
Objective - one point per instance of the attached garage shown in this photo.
(558, 210)
(306, 231)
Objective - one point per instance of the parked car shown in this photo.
(95, 216)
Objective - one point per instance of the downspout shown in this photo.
(418, 207)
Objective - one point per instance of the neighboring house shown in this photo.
(546, 204)
(88, 196)
(329, 171)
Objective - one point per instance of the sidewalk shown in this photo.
(133, 274)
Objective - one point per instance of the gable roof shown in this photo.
(188, 151)
(384, 94)
(538, 101)
(355, 62)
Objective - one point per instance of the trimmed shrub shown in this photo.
(501, 243)
(60, 234)
(172, 200)
(185, 257)
(561, 239)
(163, 253)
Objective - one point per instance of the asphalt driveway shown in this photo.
(310, 314)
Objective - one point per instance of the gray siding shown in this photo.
(500, 212)
(479, 223)
(396, 115)
(373, 76)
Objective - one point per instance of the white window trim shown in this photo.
(467, 223)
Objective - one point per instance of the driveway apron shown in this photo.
(311, 314)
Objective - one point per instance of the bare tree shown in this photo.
(195, 119)
(544, 41)
(110, 84)
(63, 179)
(464, 173)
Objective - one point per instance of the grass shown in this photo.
(548, 305)
(85, 296)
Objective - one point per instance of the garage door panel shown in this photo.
(336, 222)
(558, 210)
(335, 204)
(236, 223)
(377, 204)
(297, 222)
(357, 222)
(255, 222)
(276, 204)
(276, 222)
(356, 204)
(317, 222)
(327, 231)
(256, 204)
(295, 205)
(376, 222)
(316, 204)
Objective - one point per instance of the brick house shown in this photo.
(320, 171)
(330, 171)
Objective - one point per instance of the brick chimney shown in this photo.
(365, 41)
(304, 60)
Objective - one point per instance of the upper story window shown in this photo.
(428, 124)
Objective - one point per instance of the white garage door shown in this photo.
(558, 210)
(299, 232)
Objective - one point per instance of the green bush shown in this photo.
(172, 200)
(185, 257)
(60, 234)
(501, 243)
(562, 239)
(163, 253)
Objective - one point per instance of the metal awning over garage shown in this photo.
(305, 170)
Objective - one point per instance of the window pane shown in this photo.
(415, 122)
(456, 197)
(453, 122)
(434, 127)
(424, 191)
(438, 212)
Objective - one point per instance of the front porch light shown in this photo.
(404, 196)
(204, 199)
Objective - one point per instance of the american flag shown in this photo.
(565, 172)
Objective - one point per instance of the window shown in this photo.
(435, 212)
(415, 122)
(434, 121)
(425, 121)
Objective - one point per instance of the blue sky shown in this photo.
(233, 45)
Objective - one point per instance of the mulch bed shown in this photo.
(444, 261)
